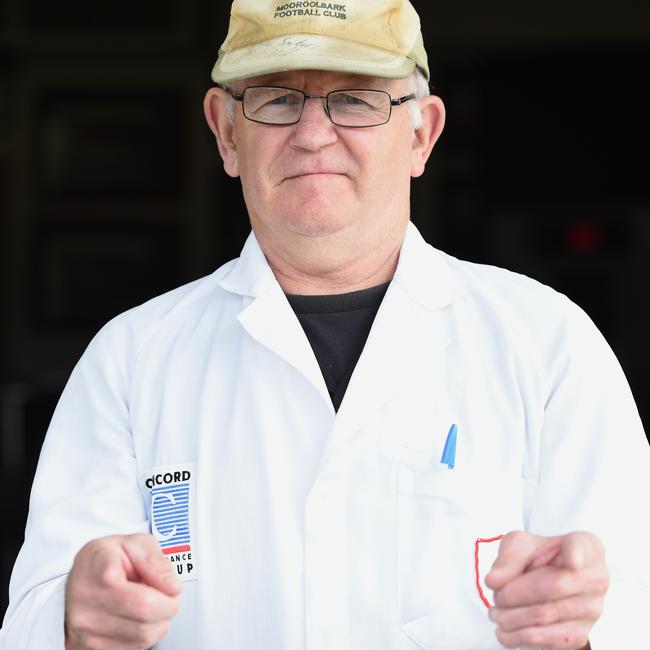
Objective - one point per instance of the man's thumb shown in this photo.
(579, 550)
(150, 565)
(518, 552)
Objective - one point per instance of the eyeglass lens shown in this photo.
(346, 107)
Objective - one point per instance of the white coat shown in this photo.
(310, 530)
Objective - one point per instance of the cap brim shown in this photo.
(310, 52)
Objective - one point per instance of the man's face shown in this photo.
(315, 179)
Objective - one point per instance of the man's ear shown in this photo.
(221, 124)
(433, 121)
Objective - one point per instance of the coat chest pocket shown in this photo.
(441, 513)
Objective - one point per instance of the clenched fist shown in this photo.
(121, 594)
(548, 591)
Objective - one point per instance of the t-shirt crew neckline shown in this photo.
(337, 327)
(332, 303)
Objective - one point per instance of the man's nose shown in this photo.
(315, 129)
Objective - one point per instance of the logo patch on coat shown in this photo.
(170, 491)
(485, 553)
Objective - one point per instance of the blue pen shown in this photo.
(449, 452)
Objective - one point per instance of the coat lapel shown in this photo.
(268, 317)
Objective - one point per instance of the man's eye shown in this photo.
(283, 100)
(351, 100)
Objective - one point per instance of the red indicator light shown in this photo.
(584, 237)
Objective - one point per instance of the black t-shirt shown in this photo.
(337, 327)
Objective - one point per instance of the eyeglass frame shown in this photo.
(397, 101)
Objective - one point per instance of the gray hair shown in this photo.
(417, 84)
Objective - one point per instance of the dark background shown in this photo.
(111, 189)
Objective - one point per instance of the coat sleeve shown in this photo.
(85, 487)
(594, 472)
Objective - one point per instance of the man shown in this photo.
(333, 436)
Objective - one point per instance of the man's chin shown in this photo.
(315, 224)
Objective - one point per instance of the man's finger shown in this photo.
(569, 635)
(150, 564)
(517, 552)
(98, 642)
(550, 583)
(550, 613)
(127, 633)
(140, 603)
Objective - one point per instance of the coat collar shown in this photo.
(422, 272)
(251, 274)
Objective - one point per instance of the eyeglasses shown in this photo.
(355, 108)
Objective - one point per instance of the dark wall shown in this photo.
(111, 190)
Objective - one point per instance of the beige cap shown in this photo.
(379, 38)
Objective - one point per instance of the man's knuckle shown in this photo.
(572, 639)
(511, 536)
(569, 636)
(174, 607)
(141, 611)
(146, 543)
(543, 614)
(579, 536)
(79, 622)
(92, 545)
(144, 608)
(89, 643)
(583, 636)
(594, 609)
(146, 635)
(502, 636)
(88, 640)
(94, 643)
(601, 582)
(156, 632)
(139, 539)
(163, 629)
(558, 584)
(99, 546)
(101, 560)
(510, 539)
(531, 637)
(588, 538)
(102, 643)
(107, 574)
(76, 590)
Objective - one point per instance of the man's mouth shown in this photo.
(313, 173)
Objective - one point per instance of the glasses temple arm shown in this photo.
(401, 100)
